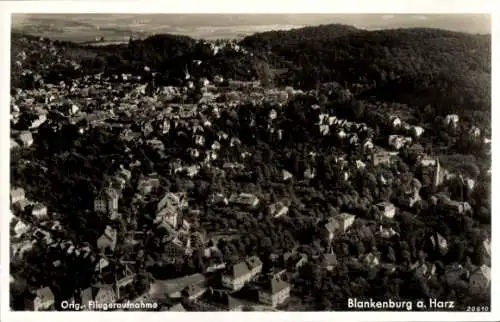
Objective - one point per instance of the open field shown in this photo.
(114, 27)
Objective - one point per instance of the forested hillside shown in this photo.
(419, 67)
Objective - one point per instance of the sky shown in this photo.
(85, 27)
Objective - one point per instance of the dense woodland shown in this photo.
(358, 75)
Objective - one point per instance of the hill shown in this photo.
(417, 66)
(449, 70)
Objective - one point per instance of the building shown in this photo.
(385, 232)
(424, 269)
(383, 157)
(339, 224)
(371, 260)
(274, 292)
(146, 185)
(21, 228)
(107, 201)
(107, 240)
(388, 209)
(285, 175)
(309, 173)
(417, 131)
(451, 120)
(26, 139)
(102, 265)
(44, 300)
(237, 277)
(175, 249)
(39, 211)
(175, 200)
(126, 277)
(475, 132)
(397, 141)
(193, 292)
(329, 261)
(278, 209)
(255, 265)
(16, 195)
(242, 273)
(245, 199)
(440, 243)
(427, 161)
(345, 220)
(99, 294)
(479, 281)
(168, 215)
(395, 121)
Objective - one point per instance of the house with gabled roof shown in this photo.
(274, 292)
(107, 201)
(339, 224)
(241, 273)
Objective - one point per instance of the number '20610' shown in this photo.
(478, 309)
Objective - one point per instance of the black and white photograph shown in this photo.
(250, 162)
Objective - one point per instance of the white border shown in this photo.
(224, 6)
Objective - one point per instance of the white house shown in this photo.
(451, 119)
(26, 138)
(17, 194)
(388, 209)
(418, 131)
(39, 211)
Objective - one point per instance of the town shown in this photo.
(222, 194)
